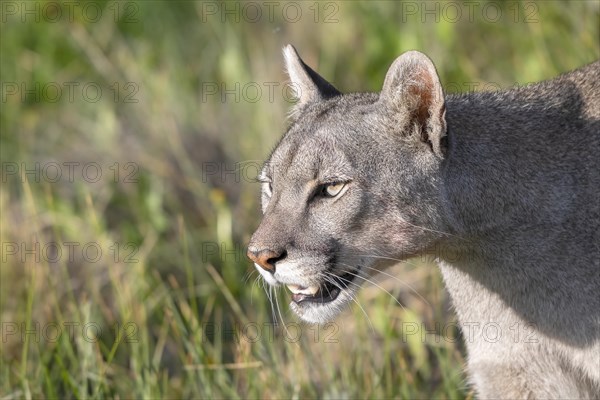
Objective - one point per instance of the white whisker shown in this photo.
(373, 283)
(327, 278)
(270, 296)
(433, 230)
(401, 282)
(281, 316)
(256, 282)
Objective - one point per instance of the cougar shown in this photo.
(509, 180)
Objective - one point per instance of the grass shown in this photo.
(134, 284)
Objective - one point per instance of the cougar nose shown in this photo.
(265, 258)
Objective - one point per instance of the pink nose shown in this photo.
(265, 258)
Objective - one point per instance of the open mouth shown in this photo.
(324, 293)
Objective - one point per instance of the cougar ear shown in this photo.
(413, 94)
(307, 84)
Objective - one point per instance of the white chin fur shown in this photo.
(316, 313)
(267, 276)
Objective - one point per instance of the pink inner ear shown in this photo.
(422, 89)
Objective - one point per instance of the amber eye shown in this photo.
(333, 189)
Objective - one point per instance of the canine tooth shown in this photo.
(294, 288)
(309, 291)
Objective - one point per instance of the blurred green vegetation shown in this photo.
(164, 104)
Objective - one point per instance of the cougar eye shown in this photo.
(333, 189)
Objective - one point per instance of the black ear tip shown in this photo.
(313, 86)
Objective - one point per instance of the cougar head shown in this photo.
(352, 186)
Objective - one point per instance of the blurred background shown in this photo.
(131, 134)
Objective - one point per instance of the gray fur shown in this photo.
(509, 181)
